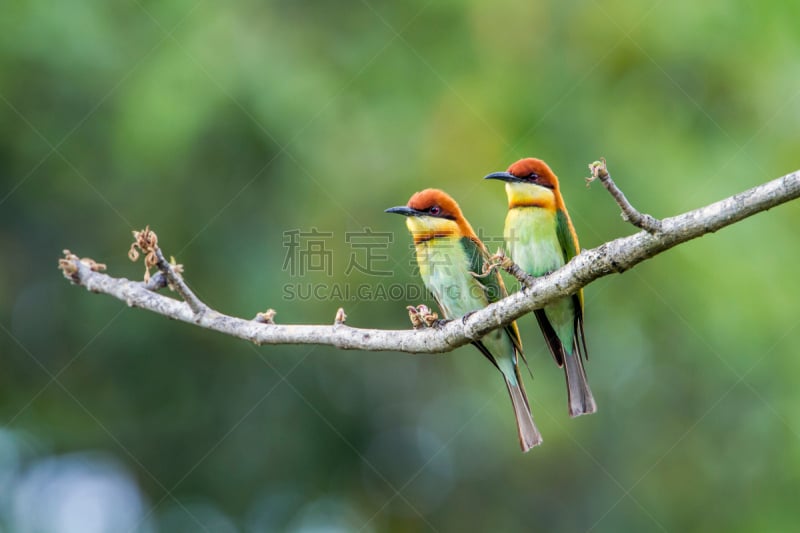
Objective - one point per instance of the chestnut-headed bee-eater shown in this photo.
(451, 258)
(540, 239)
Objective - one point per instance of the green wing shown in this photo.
(566, 236)
(569, 246)
(492, 283)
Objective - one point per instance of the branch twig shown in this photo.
(614, 256)
(174, 279)
(500, 259)
(629, 213)
(146, 242)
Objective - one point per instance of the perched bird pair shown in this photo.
(540, 238)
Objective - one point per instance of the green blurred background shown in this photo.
(225, 125)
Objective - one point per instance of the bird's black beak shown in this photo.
(403, 210)
(503, 176)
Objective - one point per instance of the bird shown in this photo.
(540, 238)
(451, 262)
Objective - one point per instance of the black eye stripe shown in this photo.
(436, 211)
(533, 177)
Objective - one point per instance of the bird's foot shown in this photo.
(494, 262)
(465, 317)
(498, 260)
(501, 260)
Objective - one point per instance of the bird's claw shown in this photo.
(494, 262)
(500, 259)
(487, 269)
(465, 317)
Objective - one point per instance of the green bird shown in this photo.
(540, 238)
(451, 258)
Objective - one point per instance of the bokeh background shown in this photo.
(226, 125)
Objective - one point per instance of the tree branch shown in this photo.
(501, 260)
(629, 213)
(615, 256)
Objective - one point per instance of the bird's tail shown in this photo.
(529, 436)
(581, 401)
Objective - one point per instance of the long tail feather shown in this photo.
(581, 401)
(529, 435)
(579, 395)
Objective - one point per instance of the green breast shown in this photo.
(531, 239)
(444, 267)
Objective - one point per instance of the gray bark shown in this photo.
(614, 256)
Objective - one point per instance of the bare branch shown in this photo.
(175, 280)
(629, 213)
(615, 256)
(156, 282)
(146, 242)
(267, 317)
(500, 259)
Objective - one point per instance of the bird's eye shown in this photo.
(435, 210)
(533, 176)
